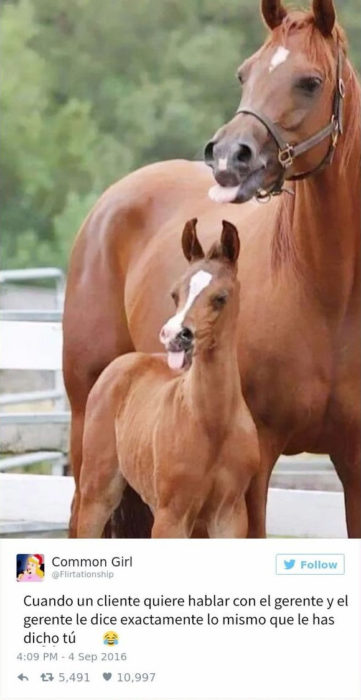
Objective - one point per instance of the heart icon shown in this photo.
(107, 676)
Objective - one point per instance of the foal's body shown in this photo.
(185, 442)
(186, 466)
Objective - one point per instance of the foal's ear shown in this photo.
(273, 12)
(192, 248)
(325, 15)
(230, 242)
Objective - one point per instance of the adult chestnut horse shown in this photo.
(299, 323)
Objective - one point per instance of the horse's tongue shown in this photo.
(176, 359)
(222, 195)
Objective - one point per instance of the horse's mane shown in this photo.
(320, 51)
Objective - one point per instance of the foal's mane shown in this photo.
(320, 52)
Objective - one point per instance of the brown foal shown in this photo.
(184, 440)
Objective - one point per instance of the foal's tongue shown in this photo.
(222, 195)
(176, 359)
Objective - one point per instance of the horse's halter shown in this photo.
(288, 152)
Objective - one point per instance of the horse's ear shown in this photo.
(192, 248)
(230, 242)
(325, 15)
(273, 12)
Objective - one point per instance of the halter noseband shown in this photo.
(288, 152)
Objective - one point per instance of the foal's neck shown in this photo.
(213, 384)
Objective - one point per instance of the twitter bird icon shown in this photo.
(289, 564)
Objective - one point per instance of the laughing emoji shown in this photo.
(110, 638)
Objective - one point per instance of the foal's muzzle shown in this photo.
(176, 340)
(179, 346)
(182, 341)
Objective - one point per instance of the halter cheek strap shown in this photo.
(288, 152)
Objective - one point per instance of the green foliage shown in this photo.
(92, 90)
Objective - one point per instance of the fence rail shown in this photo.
(57, 460)
(30, 397)
(31, 315)
(32, 274)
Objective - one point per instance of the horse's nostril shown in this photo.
(244, 153)
(208, 153)
(163, 334)
(186, 334)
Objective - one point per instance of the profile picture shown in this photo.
(30, 568)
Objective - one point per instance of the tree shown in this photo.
(93, 90)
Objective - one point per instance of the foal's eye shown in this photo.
(219, 300)
(309, 84)
(175, 297)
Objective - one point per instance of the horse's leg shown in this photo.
(92, 339)
(348, 467)
(256, 496)
(256, 504)
(76, 437)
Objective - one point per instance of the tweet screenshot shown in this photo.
(179, 619)
(180, 355)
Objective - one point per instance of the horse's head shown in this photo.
(291, 108)
(206, 297)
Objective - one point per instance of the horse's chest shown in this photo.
(285, 395)
(303, 398)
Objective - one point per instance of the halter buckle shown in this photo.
(263, 197)
(285, 156)
(341, 88)
(335, 131)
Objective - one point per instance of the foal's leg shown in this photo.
(230, 521)
(97, 504)
(101, 483)
(169, 524)
(200, 531)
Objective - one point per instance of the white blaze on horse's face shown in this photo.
(280, 56)
(199, 281)
(222, 163)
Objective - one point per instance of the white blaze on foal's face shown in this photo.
(199, 281)
(280, 56)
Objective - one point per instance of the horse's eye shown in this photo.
(219, 300)
(309, 84)
(175, 297)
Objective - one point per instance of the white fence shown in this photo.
(291, 513)
(33, 340)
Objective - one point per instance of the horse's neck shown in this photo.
(326, 232)
(213, 386)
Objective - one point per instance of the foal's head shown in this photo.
(206, 297)
(289, 89)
